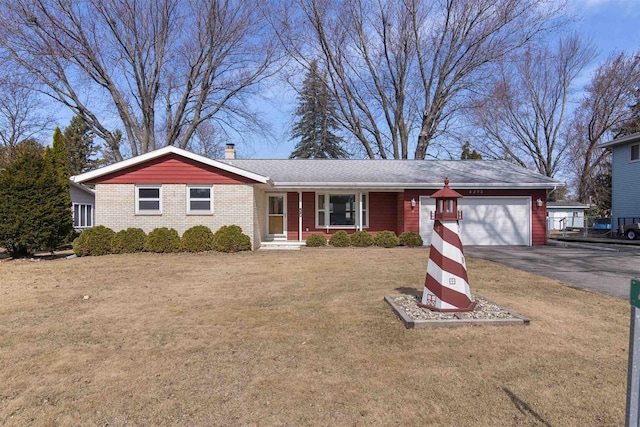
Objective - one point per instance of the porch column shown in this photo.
(300, 216)
(360, 211)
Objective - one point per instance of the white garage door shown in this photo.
(487, 221)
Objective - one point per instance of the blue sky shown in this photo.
(612, 26)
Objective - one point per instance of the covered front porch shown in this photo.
(291, 216)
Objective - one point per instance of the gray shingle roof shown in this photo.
(567, 204)
(298, 173)
(628, 139)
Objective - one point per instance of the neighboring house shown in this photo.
(82, 205)
(625, 180)
(287, 200)
(561, 215)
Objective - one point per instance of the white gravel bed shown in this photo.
(484, 310)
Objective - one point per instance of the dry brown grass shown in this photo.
(296, 338)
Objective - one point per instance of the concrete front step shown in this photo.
(280, 246)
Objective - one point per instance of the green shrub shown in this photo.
(229, 238)
(386, 239)
(340, 239)
(162, 240)
(316, 240)
(94, 241)
(410, 239)
(128, 241)
(361, 239)
(197, 239)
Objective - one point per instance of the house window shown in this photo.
(199, 199)
(149, 199)
(340, 210)
(82, 215)
(635, 152)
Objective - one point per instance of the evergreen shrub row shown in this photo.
(101, 240)
(385, 239)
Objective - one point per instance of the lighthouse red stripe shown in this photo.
(447, 295)
(447, 235)
(447, 264)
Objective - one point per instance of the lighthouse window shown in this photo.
(449, 206)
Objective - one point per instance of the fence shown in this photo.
(586, 226)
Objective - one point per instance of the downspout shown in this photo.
(300, 216)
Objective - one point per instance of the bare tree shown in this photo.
(207, 141)
(524, 116)
(605, 109)
(400, 66)
(22, 115)
(164, 67)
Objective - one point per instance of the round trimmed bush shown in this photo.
(229, 238)
(410, 239)
(94, 241)
(128, 241)
(386, 239)
(197, 239)
(340, 239)
(162, 240)
(316, 240)
(361, 239)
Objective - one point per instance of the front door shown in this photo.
(276, 216)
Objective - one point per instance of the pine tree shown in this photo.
(59, 154)
(317, 121)
(468, 154)
(35, 207)
(81, 150)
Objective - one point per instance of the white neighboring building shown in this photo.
(564, 214)
(83, 201)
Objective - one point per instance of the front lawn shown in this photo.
(296, 338)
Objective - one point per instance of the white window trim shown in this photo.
(88, 219)
(327, 215)
(210, 199)
(630, 150)
(146, 211)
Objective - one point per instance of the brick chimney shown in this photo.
(230, 151)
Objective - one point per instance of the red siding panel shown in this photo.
(383, 212)
(400, 212)
(539, 218)
(292, 216)
(172, 169)
(412, 215)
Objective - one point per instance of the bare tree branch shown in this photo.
(164, 67)
(399, 66)
(604, 110)
(523, 117)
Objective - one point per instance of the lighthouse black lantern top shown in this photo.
(446, 203)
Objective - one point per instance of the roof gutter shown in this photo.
(413, 185)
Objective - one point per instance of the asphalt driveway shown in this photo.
(603, 269)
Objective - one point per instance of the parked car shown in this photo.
(631, 230)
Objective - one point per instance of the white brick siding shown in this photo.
(232, 204)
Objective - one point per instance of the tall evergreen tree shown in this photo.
(35, 206)
(468, 153)
(58, 154)
(317, 121)
(82, 152)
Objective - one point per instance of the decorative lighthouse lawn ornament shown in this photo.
(446, 287)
